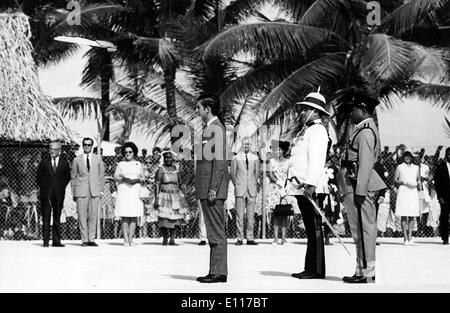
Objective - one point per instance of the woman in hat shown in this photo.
(278, 168)
(170, 201)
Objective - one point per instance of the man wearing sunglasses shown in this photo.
(88, 172)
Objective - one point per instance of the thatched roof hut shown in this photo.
(26, 114)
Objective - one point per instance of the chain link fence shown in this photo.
(20, 217)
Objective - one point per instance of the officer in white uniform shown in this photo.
(308, 156)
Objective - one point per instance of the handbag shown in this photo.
(144, 193)
(283, 209)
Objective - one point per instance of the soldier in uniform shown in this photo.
(308, 156)
(362, 183)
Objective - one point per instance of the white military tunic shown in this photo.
(308, 157)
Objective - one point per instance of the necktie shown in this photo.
(54, 164)
(88, 165)
(246, 160)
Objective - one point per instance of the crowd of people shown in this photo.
(356, 189)
(20, 218)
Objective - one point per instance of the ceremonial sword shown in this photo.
(319, 211)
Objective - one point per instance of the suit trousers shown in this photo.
(368, 229)
(87, 208)
(443, 221)
(48, 206)
(315, 251)
(215, 230)
(201, 223)
(240, 210)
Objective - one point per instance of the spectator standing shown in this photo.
(407, 177)
(129, 176)
(245, 168)
(53, 175)
(169, 199)
(277, 173)
(88, 181)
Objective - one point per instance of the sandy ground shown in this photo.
(25, 266)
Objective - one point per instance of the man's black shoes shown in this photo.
(58, 245)
(358, 279)
(92, 244)
(211, 278)
(308, 275)
(238, 243)
(45, 245)
(202, 243)
(252, 243)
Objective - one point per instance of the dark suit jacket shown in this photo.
(212, 170)
(51, 183)
(442, 182)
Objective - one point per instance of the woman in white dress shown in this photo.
(407, 177)
(129, 176)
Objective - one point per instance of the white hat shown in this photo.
(315, 100)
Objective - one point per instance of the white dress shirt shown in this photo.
(55, 161)
(448, 168)
(85, 156)
(308, 157)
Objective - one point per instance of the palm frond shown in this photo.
(387, 60)
(90, 16)
(318, 14)
(293, 8)
(316, 73)
(272, 40)
(78, 108)
(166, 51)
(205, 9)
(99, 63)
(241, 8)
(437, 94)
(414, 14)
(446, 126)
(432, 63)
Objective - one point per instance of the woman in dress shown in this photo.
(277, 176)
(170, 201)
(151, 166)
(407, 177)
(129, 176)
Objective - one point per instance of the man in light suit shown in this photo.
(362, 183)
(245, 168)
(211, 187)
(88, 172)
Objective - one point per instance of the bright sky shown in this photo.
(414, 123)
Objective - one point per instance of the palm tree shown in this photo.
(335, 51)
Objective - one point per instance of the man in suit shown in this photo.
(442, 183)
(362, 185)
(308, 157)
(245, 168)
(53, 175)
(88, 172)
(211, 187)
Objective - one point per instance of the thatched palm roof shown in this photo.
(26, 114)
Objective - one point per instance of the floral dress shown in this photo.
(275, 192)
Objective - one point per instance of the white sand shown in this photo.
(25, 266)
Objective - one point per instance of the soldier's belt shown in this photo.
(349, 164)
